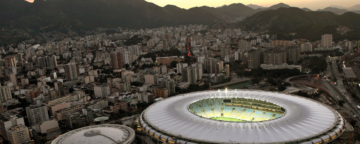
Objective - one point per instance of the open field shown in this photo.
(228, 119)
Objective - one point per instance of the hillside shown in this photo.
(97, 13)
(308, 25)
(334, 10)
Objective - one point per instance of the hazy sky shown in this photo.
(311, 4)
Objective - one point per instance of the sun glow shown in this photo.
(30, 1)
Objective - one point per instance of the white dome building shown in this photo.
(247, 117)
(98, 134)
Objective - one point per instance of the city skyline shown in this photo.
(311, 4)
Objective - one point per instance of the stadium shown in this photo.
(238, 116)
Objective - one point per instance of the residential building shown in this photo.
(293, 54)
(254, 59)
(306, 47)
(101, 91)
(275, 56)
(72, 71)
(227, 68)
(5, 94)
(117, 60)
(7, 120)
(37, 114)
(326, 40)
(10, 61)
(19, 134)
(244, 45)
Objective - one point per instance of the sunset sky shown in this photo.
(311, 4)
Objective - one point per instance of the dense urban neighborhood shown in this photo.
(55, 83)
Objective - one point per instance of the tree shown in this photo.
(272, 81)
(173, 64)
(281, 87)
(341, 103)
(136, 84)
(255, 81)
(71, 90)
(353, 122)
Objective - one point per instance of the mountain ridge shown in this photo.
(310, 25)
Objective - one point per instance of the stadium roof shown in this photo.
(304, 120)
(97, 134)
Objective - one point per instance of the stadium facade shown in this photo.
(238, 116)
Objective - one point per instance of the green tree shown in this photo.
(173, 64)
(255, 81)
(341, 103)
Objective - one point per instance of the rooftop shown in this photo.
(106, 133)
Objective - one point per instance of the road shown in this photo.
(341, 91)
(145, 139)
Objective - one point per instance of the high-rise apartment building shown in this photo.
(116, 60)
(199, 70)
(101, 91)
(306, 47)
(13, 79)
(5, 94)
(225, 51)
(10, 61)
(275, 57)
(189, 75)
(72, 71)
(244, 45)
(238, 55)
(37, 114)
(326, 40)
(51, 61)
(254, 59)
(18, 134)
(293, 53)
(7, 120)
(180, 66)
(227, 69)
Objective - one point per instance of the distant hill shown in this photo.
(335, 10)
(310, 25)
(53, 14)
(233, 12)
(306, 9)
(254, 6)
(277, 6)
(353, 8)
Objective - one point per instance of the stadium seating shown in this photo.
(216, 108)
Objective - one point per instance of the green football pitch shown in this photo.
(228, 119)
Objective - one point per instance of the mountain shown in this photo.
(309, 25)
(355, 8)
(334, 10)
(254, 6)
(83, 14)
(277, 6)
(306, 9)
